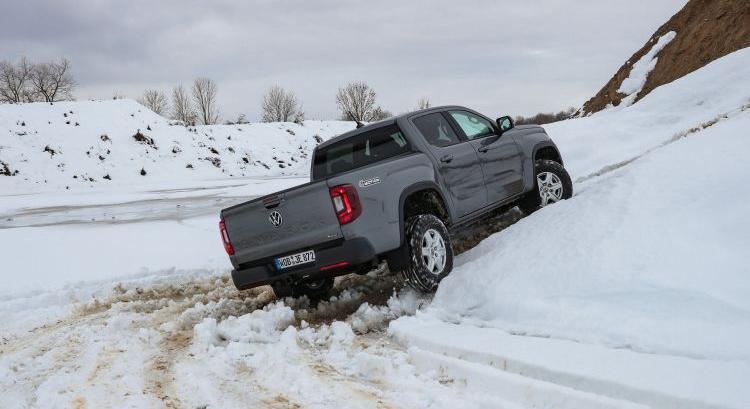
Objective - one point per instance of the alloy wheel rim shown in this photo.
(434, 253)
(550, 188)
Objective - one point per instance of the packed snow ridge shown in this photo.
(75, 145)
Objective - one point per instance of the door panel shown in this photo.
(500, 157)
(462, 174)
(457, 163)
(501, 163)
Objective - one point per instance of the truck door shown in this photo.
(500, 156)
(457, 162)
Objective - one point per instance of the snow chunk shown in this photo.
(260, 326)
(370, 317)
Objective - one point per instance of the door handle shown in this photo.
(483, 149)
(446, 158)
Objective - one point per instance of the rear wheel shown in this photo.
(430, 252)
(551, 184)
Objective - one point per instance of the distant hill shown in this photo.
(75, 145)
(701, 32)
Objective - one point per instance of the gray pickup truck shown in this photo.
(391, 191)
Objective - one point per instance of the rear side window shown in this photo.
(359, 150)
(436, 130)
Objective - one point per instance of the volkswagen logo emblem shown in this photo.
(275, 218)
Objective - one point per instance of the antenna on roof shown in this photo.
(360, 124)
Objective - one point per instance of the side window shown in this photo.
(473, 126)
(436, 130)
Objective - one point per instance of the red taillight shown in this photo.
(345, 203)
(225, 238)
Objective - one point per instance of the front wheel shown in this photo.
(551, 184)
(430, 252)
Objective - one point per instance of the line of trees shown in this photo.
(356, 102)
(197, 107)
(25, 81)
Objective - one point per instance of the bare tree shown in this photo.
(118, 95)
(204, 95)
(182, 107)
(356, 102)
(423, 103)
(280, 105)
(155, 100)
(14, 81)
(53, 81)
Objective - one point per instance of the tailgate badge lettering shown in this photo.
(369, 182)
(275, 218)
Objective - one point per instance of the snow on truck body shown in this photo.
(367, 185)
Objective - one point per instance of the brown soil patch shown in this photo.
(706, 30)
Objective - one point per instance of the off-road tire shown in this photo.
(416, 273)
(532, 201)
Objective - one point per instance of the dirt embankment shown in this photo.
(706, 30)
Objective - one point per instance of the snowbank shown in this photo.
(647, 258)
(650, 258)
(75, 145)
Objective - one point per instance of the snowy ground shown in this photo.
(632, 294)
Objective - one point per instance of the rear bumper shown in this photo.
(355, 251)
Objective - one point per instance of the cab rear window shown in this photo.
(359, 150)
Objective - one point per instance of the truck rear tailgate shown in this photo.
(278, 224)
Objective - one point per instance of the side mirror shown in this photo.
(504, 123)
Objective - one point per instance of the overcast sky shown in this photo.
(514, 57)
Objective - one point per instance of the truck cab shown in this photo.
(390, 191)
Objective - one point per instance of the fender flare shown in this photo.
(545, 144)
(423, 185)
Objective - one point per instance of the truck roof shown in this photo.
(386, 122)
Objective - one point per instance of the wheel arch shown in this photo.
(418, 191)
(546, 150)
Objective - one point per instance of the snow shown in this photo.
(632, 294)
(645, 265)
(632, 85)
(687, 298)
(614, 137)
(74, 145)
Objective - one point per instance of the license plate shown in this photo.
(295, 260)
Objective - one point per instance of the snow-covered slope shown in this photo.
(646, 264)
(616, 135)
(78, 145)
